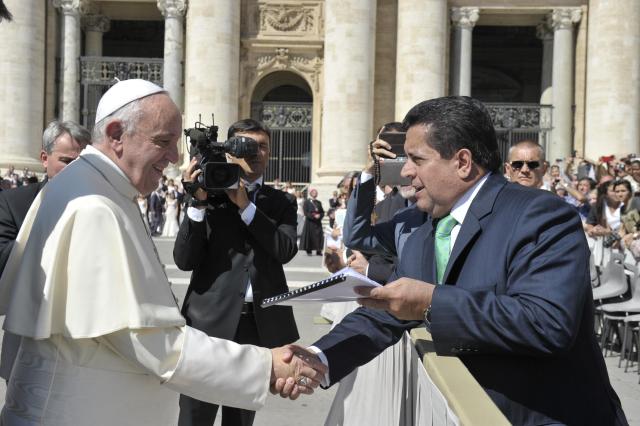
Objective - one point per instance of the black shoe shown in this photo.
(309, 253)
(319, 253)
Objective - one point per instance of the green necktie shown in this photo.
(443, 244)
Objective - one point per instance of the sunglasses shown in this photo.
(532, 165)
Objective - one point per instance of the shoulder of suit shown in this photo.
(22, 192)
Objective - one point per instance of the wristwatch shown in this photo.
(427, 317)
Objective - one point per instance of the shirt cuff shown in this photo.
(195, 214)
(248, 213)
(364, 177)
(323, 358)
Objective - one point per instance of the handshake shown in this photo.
(295, 371)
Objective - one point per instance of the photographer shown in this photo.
(235, 244)
(382, 240)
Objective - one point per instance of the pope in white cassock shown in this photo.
(103, 341)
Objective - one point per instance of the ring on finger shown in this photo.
(303, 381)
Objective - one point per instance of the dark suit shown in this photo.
(516, 308)
(14, 204)
(224, 254)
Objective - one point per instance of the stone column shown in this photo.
(463, 20)
(421, 66)
(545, 33)
(562, 20)
(347, 102)
(613, 78)
(70, 58)
(173, 12)
(22, 43)
(94, 27)
(212, 63)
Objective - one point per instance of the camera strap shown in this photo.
(376, 180)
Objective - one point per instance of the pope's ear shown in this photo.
(114, 131)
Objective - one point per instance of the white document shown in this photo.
(339, 287)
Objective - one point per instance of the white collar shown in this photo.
(461, 207)
(110, 170)
(252, 185)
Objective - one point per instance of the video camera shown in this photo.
(217, 174)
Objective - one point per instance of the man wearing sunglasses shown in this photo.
(526, 164)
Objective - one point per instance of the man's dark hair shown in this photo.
(394, 126)
(248, 125)
(457, 122)
(4, 12)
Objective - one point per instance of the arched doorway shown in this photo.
(283, 101)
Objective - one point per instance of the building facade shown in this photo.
(324, 74)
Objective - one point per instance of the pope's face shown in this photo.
(151, 144)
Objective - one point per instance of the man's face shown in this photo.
(254, 167)
(65, 150)
(151, 144)
(433, 177)
(525, 175)
(635, 171)
(313, 194)
(584, 186)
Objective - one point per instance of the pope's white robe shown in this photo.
(103, 341)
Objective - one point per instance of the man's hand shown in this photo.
(404, 298)
(238, 196)
(358, 262)
(381, 149)
(295, 371)
(191, 175)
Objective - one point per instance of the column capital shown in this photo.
(96, 23)
(544, 31)
(564, 18)
(172, 8)
(69, 7)
(464, 17)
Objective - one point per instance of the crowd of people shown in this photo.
(521, 323)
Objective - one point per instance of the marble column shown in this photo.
(70, 58)
(212, 61)
(22, 77)
(463, 20)
(613, 78)
(94, 27)
(347, 103)
(173, 12)
(421, 66)
(545, 33)
(562, 21)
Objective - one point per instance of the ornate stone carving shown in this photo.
(563, 19)
(96, 23)
(172, 8)
(69, 7)
(544, 32)
(464, 17)
(281, 60)
(288, 18)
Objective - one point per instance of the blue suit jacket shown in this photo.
(516, 308)
(386, 237)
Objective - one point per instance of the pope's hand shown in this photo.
(405, 298)
(295, 371)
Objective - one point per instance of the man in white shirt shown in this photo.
(102, 334)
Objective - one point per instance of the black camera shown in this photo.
(217, 174)
(390, 167)
(610, 240)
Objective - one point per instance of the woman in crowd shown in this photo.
(171, 216)
(604, 217)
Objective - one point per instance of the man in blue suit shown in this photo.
(498, 273)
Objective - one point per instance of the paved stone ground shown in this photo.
(311, 410)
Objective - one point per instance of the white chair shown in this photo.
(613, 279)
